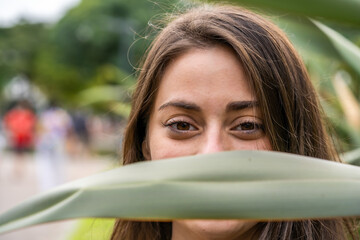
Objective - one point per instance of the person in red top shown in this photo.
(19, 123)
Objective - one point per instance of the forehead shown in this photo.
(206, 76)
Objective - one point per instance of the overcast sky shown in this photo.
(34, 10)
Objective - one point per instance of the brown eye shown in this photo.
(181, 129)
(182, 126)
(248, 130)
(247, 126)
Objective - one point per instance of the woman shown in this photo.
(221, 78)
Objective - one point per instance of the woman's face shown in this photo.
(204, 104)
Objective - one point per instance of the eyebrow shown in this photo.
(181, 104)
(233, 106)
(240, 105)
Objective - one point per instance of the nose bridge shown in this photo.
(214, 140)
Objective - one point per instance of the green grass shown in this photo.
(93, 229)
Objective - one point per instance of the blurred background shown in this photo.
(68, 67)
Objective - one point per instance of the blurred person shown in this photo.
(53, 128)
(81, 135)
(221, 78)
(19, 125)
(2, 143)
(2, 140)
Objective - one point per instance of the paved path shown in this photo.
(19, 182)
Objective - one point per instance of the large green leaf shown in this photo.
(238, 184)
(345, 11)
(318, 53)
(349, 51)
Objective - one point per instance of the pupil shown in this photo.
(183, 126)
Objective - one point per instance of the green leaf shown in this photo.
(237, 184)
(316, 50)
(345, 11)
(349, 51)
(96, 229)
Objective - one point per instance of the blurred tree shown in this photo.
(19, 46)
(92, 40)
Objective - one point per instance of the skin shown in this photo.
(204, 105)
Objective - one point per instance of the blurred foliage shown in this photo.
(96, 43)
(19, 46)
(345, 12)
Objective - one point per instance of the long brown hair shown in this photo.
(287, 99)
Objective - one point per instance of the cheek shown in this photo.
(264, 144)
(165, 148)
(260, 144)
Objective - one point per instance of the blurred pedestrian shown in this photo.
(19, 124)
(81, 133)
(2, 140)
(53, 129)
